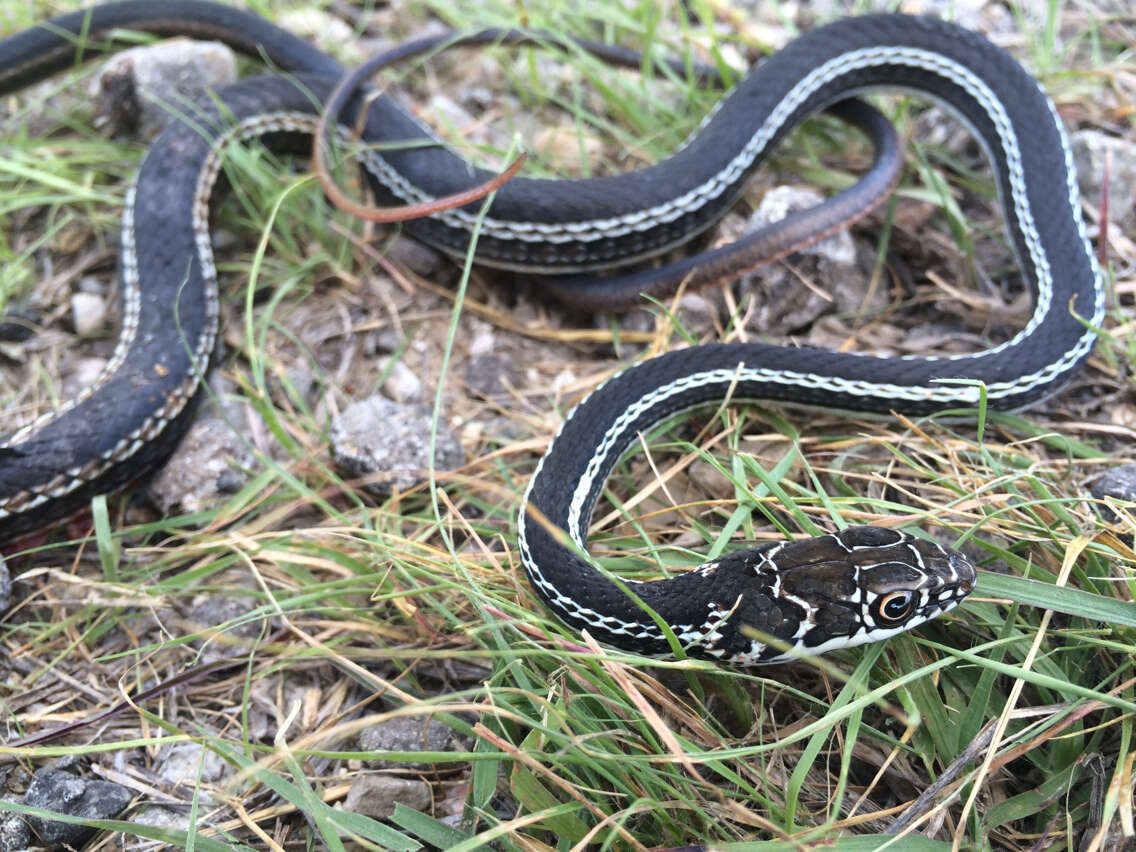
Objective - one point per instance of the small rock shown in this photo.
(401, 384)
(408, 734)
(376, 795)
(212, 458)
(212, 611)
(1090, 148)
(784, 304)
(378, 436)
(495, 429)
(68, 794)
(1119, 484)
(190, 764)
(483, 340)
(140, 88)
(88, 313)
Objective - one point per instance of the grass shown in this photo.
(273, 626)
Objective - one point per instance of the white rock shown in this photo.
(88, 313)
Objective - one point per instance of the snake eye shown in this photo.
(895, 606)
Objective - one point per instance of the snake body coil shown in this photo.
(854, 586)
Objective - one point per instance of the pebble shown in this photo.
(1118, 484)
(212, 459)
(408, 734)
(187, 764)
(139, 87)
(401, 384)
(784, 304)
(65, 793)
(376, 795)
(88, 314)
(380, 436)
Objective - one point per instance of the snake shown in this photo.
(755, 605)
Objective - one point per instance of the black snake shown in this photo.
(854, 586)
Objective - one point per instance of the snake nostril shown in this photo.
(965, 571)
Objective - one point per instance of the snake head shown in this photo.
(833, 591)
(863, 584)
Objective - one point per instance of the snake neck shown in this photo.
(705, 608)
